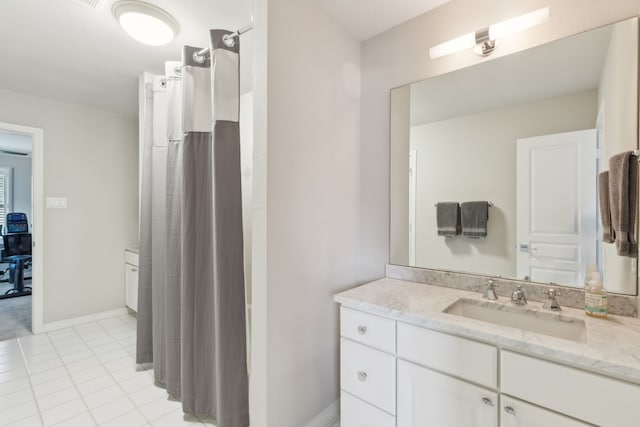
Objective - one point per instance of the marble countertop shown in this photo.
(612, 347)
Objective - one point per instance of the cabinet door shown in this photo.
(516, 413)
(428, 398)
(357, 413)
(131, 286)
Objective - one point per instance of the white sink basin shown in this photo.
(552, 324)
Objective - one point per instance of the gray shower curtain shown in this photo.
(191, 313)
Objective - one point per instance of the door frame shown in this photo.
(37, 220)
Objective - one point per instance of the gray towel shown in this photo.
(448, 218)
(475, 216)
(605, 207)
(623, 182)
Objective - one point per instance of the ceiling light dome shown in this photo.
(145, 22)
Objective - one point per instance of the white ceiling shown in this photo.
(367, 18)
(564, 67)
(63, 49)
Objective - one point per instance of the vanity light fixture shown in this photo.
(484, 40)
(145, 22)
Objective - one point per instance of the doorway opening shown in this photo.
(21, 176)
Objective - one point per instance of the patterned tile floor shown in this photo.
(83, 376)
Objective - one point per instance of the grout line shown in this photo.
(109, 372)
(74, 384)
(33, 393)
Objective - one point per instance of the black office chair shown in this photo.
(17, 252)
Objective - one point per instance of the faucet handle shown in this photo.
(551, 292)
(491, 283)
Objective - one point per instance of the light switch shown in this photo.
(56, 202)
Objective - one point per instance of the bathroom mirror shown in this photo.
(529, 133)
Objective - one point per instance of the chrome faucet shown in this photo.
(518, 297)
(490, 292)
(551, 303)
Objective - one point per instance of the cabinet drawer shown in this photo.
(590, 397)
(516, 413)
(368, 329)
(131, 258)
(357, 413)
(368, 374)
(473, 361)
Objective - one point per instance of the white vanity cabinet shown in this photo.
(396, 374)
(429, 398)
(131, 279)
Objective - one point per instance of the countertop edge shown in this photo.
(568, 358)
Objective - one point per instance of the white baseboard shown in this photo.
(326, 418)
(75, 321)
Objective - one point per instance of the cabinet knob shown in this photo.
(362, 376)
(509, 410)
(362, 330)
(487, 401)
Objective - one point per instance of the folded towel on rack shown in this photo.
(605, 207)
(475, 216)
(623, 198)
(448, 218)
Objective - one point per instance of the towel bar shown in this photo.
(490, 205)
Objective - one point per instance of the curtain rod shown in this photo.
(229, 41)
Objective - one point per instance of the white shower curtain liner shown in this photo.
(191, 314)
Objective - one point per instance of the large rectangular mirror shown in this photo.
(529, 133)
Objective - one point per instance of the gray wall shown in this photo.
(400, 56)
(306, 205)
(21, 182)
(90, 157)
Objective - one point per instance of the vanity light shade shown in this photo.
(496, 31)
(518, 24)
(145, 22)
(452, 46)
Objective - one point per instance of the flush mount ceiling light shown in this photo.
(483, 41)
(145, 22)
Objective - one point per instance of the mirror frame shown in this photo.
(636, 262)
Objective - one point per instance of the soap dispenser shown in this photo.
(591, 268)
(595, 297)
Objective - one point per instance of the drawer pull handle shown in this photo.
(362, 376)
(362, 330)
(133, 270)
(509, 410)
(487, 401)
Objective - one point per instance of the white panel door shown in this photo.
(556, 206)
(428, 398)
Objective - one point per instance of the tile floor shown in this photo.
(15, 317)
(83, 376)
